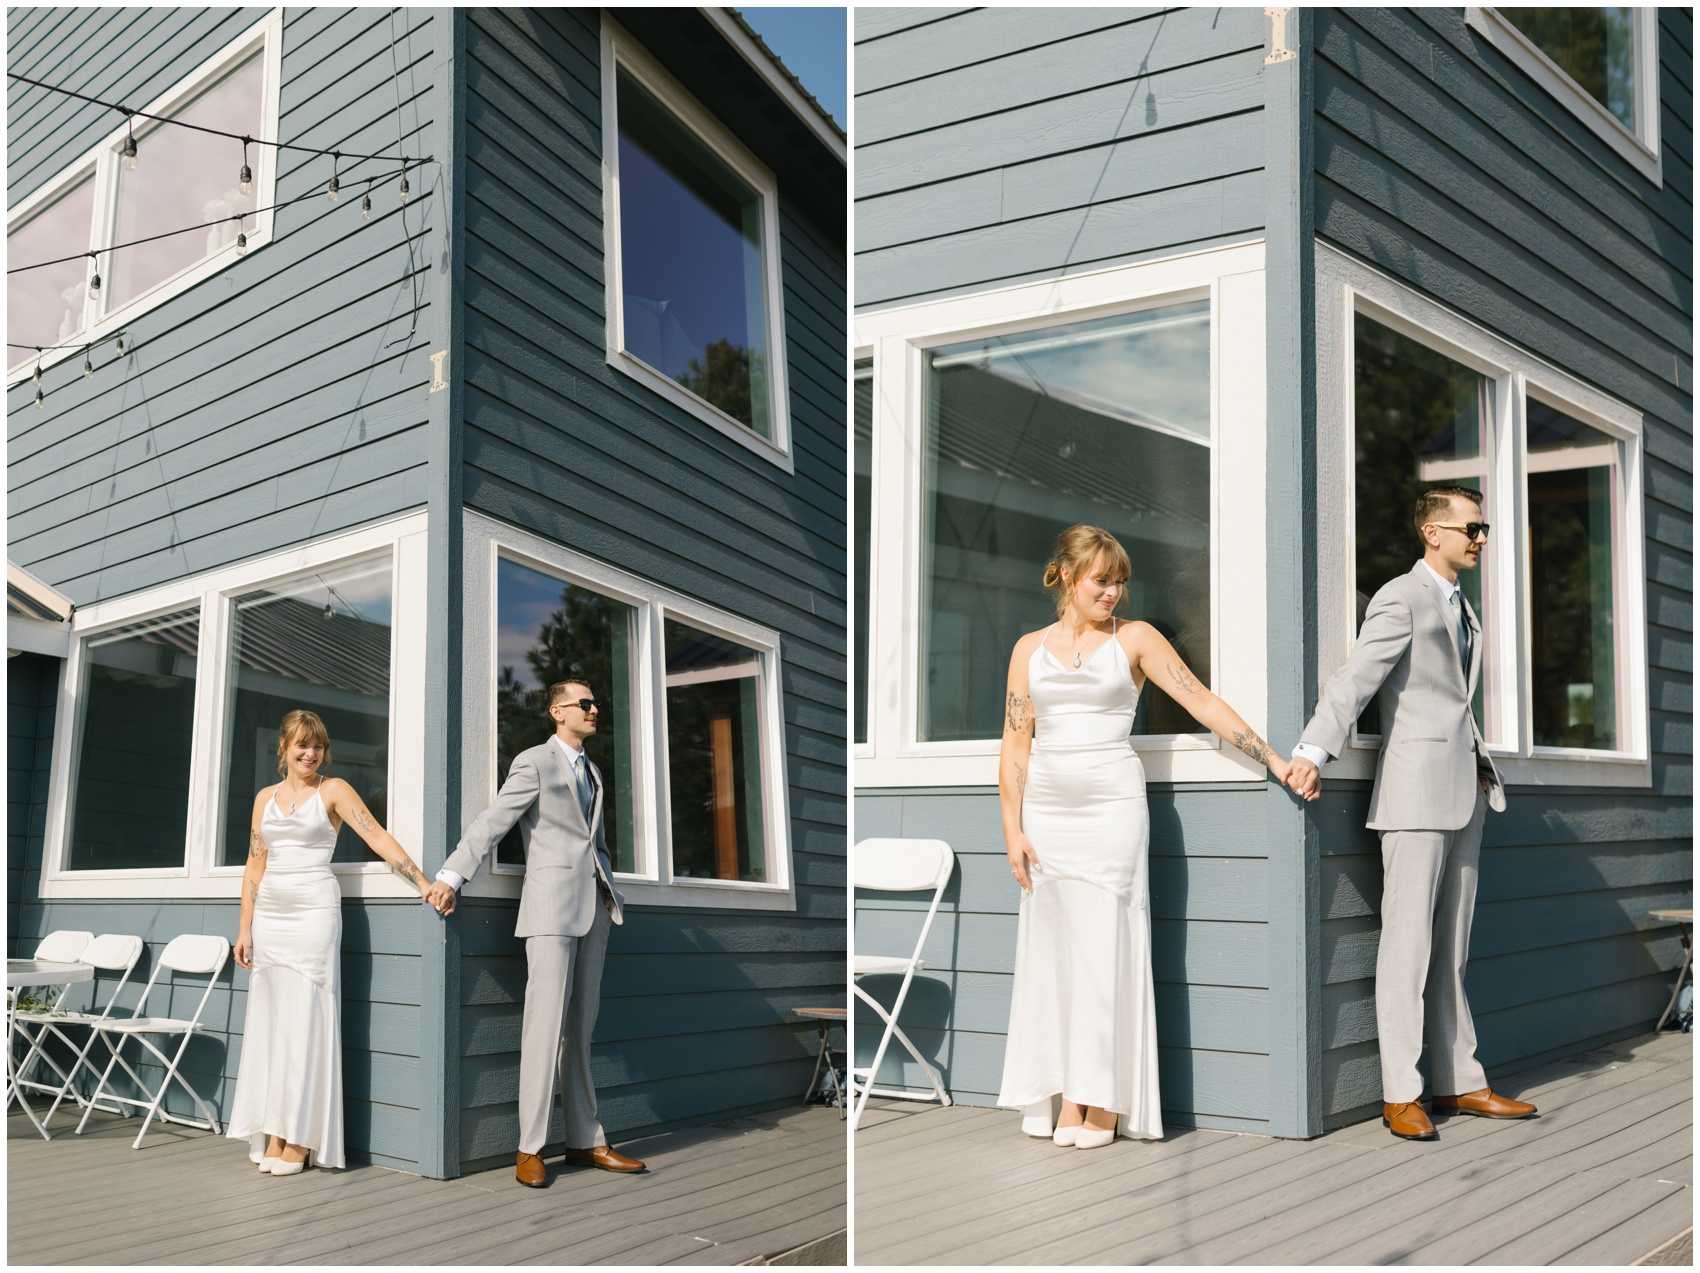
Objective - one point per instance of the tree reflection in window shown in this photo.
(549, 630)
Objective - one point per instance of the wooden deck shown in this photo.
(738, 1192)
(1603, 1176)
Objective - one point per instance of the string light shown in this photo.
(404, 190)
(247, 177)
(88, 365)
(328, 612)
(241, 242)
(366, 202)
(335, 185)
(120, 346)
(38, 396)
(129, 150)
(38, 366)
(94, 284)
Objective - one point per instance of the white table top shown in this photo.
(45, 972)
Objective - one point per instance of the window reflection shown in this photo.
(863, 494)
(1105, 421)
(691, 262)
(1422, 420)
(184, 177)
(322, 644)
(714, 756)
(45, 307)
(1593, 46)
(1572, 557)
(548, 630)
(130, 807)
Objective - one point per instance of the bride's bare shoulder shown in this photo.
(1029, 642)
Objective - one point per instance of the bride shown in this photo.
(1082, 1046)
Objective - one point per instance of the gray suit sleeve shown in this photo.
(517, 795)
(1381, 643)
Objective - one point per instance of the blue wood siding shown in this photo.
(1209, 936)
(281, 399)
(1000, 145)
(1443, 165)
(694, 1022)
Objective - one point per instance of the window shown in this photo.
(134, 754)
(169, 724)
(1435, 399)
(181, 178)
(1422, 420)
(693, 273)
(1601, 63)
(689, 739)
(1004, 417)
(862, 496)
(549, 630)
(321, 643)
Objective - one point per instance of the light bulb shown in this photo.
(366, 207)
(333, 188)
(247, 178)
(38, 375)
(328, 613)
(38, 396)
(120, 346)
(404, 189)
(94, 288)
(241, 243)
(88, 367)
(129, 153)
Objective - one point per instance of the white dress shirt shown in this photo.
(574, 755)
(1316, 755)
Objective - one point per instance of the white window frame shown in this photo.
(1345, 288)
(620, 51)
(1233, 279)
(201, 875)
(1638, 145)
(100, 318)
(653, 882)
(860, 353)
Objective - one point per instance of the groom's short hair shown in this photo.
(558, 692)
(1437, 502)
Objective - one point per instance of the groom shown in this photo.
(1419, 655)
(566, 908)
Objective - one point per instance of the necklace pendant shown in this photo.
(1076, 660)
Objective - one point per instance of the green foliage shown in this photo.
(721, 377)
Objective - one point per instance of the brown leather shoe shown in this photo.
(1485, 1104)
(605, 1157)
(1407, 1120)
(528, 1170)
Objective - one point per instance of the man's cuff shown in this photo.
(1311, 752)
(451, 879)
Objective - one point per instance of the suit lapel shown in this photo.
(1444, 609)
(565, 768)
(595, 790)
(1475, 646)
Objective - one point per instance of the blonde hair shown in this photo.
(295, 725)
(1077, 548)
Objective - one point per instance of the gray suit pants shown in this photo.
(1428, 899)
(563, 989)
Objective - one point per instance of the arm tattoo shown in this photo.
(363, 820)
(1184, 679)
(256, 846)
(1019, 713)
(254, 892)
(1020, 780)
(410, 873)
(1251, 745)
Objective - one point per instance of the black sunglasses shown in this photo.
(1472, 530)
(585, 705)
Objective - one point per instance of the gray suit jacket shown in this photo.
(564, 854)
(1432, 754)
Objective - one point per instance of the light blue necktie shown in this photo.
(1463, 631)
(583, 783)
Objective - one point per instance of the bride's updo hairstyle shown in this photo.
(1077, 548)
(301, 724)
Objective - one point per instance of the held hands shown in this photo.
(245, 950)
(1303, 778)
(1021, 858)
(441, 897)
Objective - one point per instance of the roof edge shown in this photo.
(43, 594)
(765, 62)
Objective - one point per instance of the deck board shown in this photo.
(1604, 1175)
(739, 1191)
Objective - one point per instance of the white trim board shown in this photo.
(1346, 286)
(1232, 277)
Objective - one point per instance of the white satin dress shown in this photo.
(1083, 1020)
(289, 1083)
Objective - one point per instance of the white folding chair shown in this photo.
(191, 954)
(110, 952)
(896, 866)
(62, 946)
